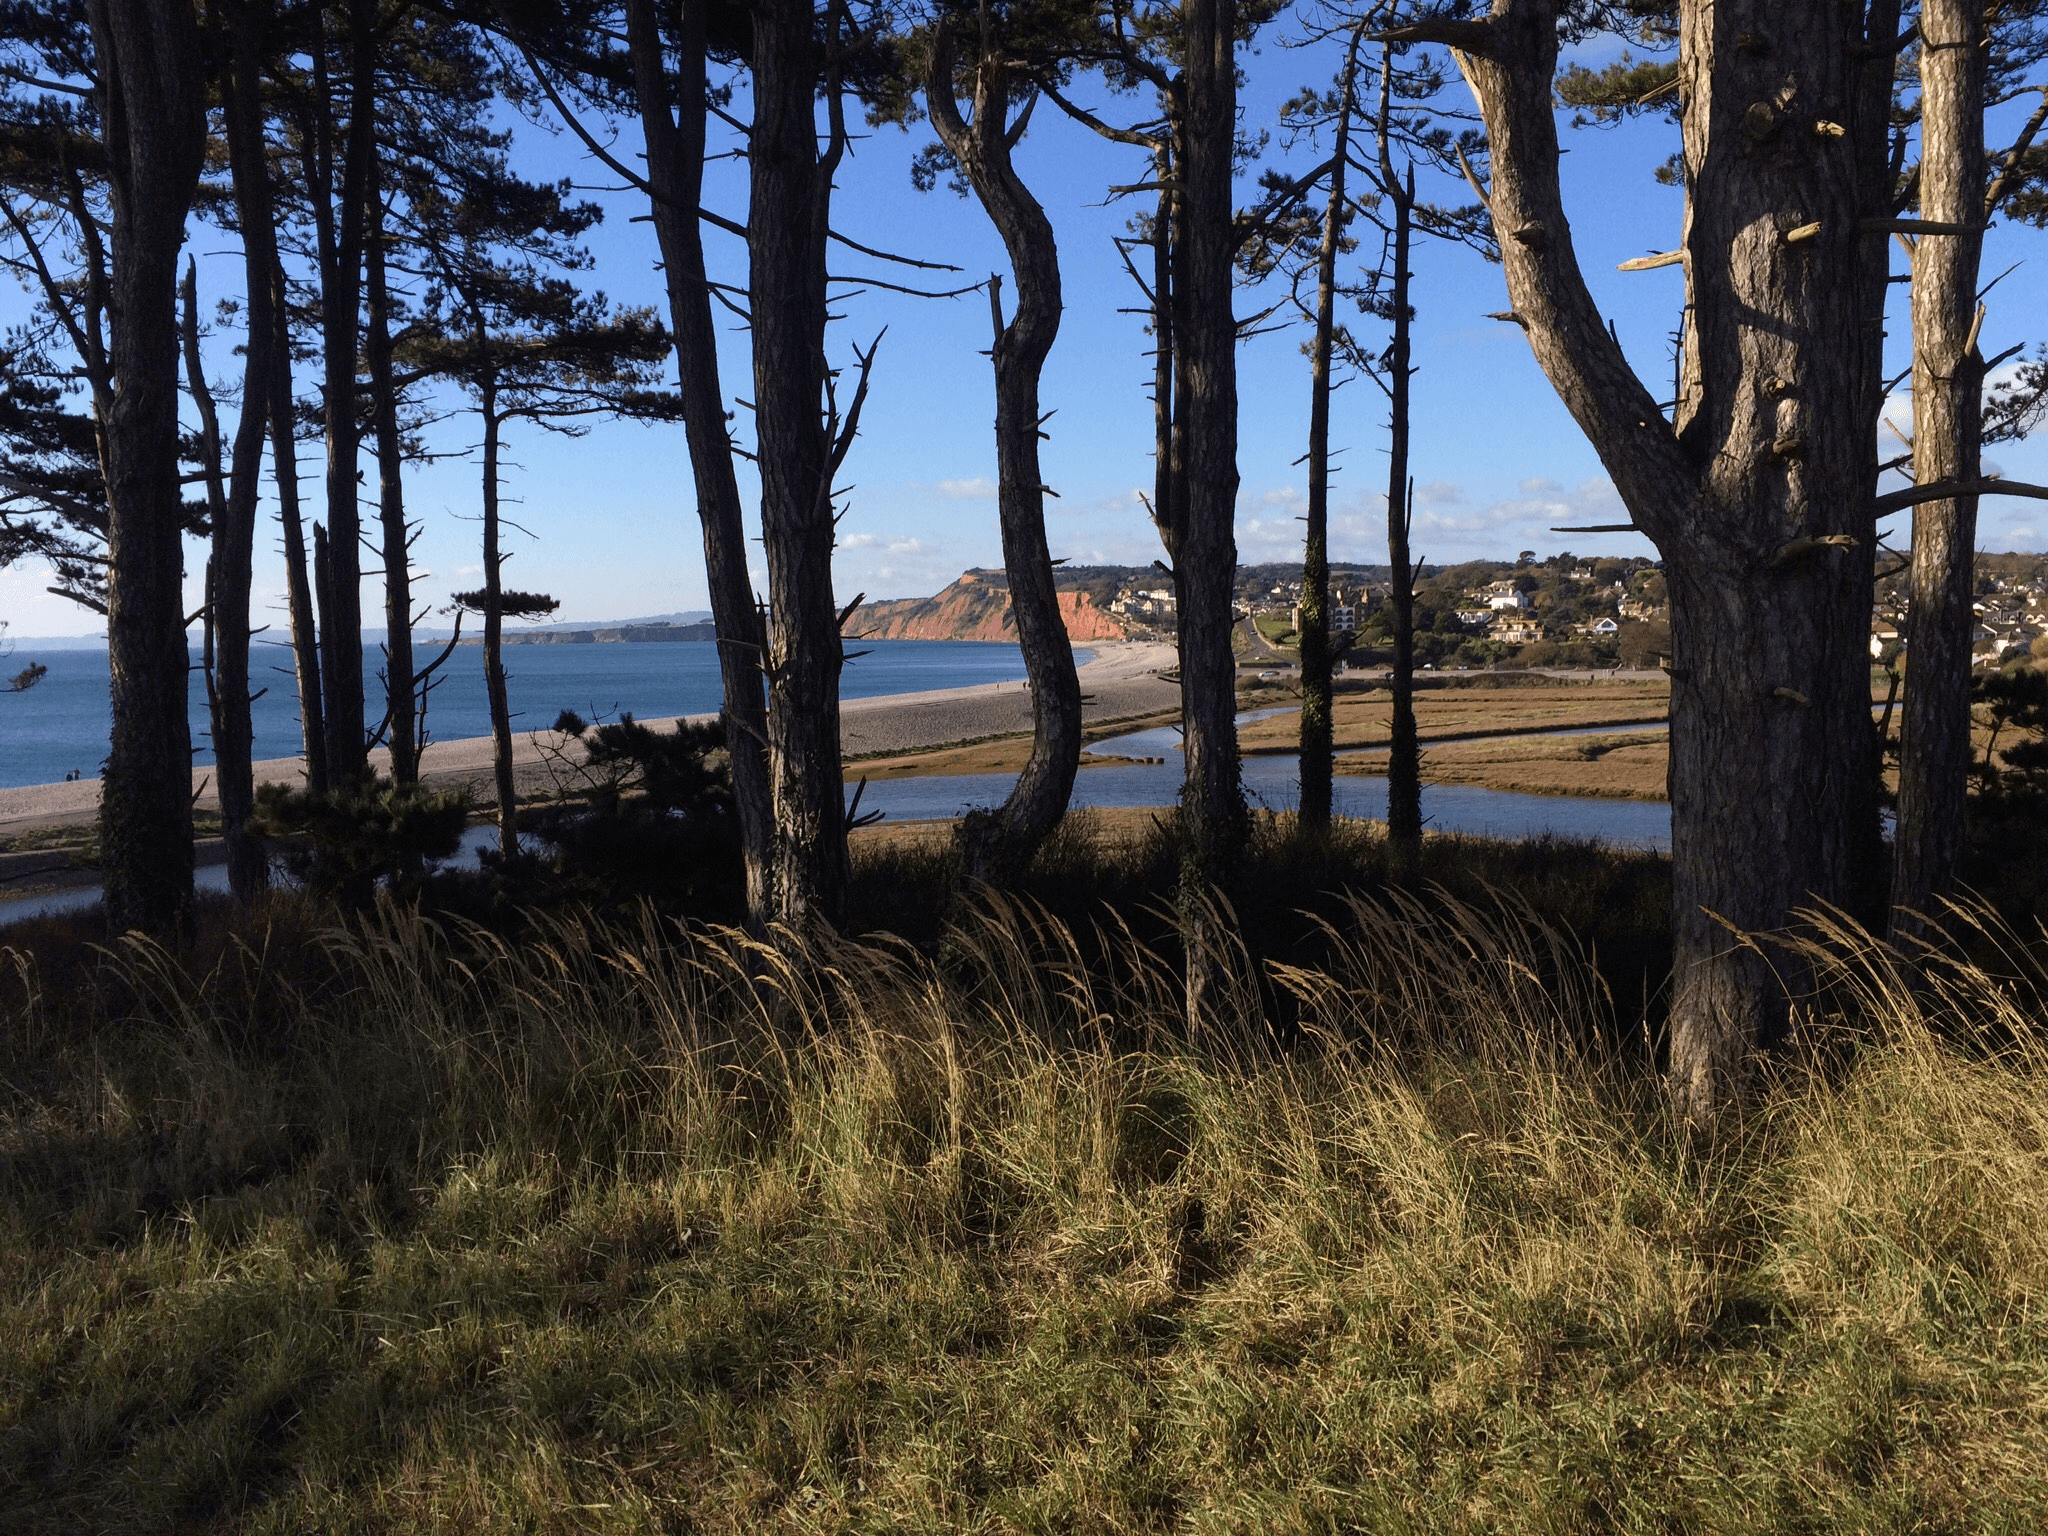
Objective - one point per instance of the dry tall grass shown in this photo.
(401, 1227)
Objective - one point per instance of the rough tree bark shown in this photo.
(1404, 754)
(1317, 722)
(402, 731)
(338, 208)
(1194, 412)
(1948, 426)
(1200, 528)
(672, 122)
(234, 533)
(284, 461)
(1771, 452)
(152, 107)
(791, 188)
(231, 505)
(494, 614)
(996, 844)
(1163, 349)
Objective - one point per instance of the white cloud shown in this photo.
(976, 488)
(895, 544)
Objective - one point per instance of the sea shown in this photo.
(41, 732)
(59, 727)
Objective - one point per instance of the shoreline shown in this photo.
(1119, 681)
(977, 729)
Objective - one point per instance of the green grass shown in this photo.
(394, 1226)
(1276, 630)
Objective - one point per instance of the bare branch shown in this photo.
(868, 250)
(916, 293)
(1467, 36)
(1088, 119)
(1949, 490)
(2009, 173)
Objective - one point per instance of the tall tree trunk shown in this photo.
(1163, 348)
(234, 534)
(284, 459)
(997, 844)
(1948, 424)
(339, 231)
(231, 505)
(1214, 825)
(1772, 766)
(786, 223)
(1404, 754)
(399, 682)
(152, 114)
(1404, 749)
(494, 626)
(1317, 703)
(673, 125)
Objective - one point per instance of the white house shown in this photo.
(1502, 597)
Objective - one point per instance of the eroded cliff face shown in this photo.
(976, 607)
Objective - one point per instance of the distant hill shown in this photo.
(613, 634)
(573, 630)
(977, 607)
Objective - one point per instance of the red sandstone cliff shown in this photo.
(976, 607)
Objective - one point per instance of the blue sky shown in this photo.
(1496, 458)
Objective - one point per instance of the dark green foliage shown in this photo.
(362, 833)
(658, 821)
(2007, 857)
(54, 506)
(1621, 89)
(1640, 642)
(511, 605)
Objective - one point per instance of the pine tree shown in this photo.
(525, 344)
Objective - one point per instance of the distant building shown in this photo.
(1342, 612)
(1150, 602)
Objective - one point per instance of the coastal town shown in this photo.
(1553, 611)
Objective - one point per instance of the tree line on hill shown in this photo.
(396, 261)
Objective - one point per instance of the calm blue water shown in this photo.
(1275, 783)
(61, 724)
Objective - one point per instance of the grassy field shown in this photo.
(1361, 720)
(395, 1226)
(1624, 766)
